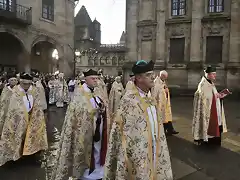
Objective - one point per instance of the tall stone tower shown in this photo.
(97, 32)
(87, 32)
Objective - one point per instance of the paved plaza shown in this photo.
(189, 162)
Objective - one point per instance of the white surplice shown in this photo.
(99, 170)
(27, 99)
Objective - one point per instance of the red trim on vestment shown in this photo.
(104, 141)
(103, 151)
(213, 127)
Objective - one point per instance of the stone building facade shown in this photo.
(31, 30)
(108, 57)
(183, 36)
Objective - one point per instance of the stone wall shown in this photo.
(109, 61)
(150, 25)
(59, 32)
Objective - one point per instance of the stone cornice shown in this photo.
(216, 17)
(194, 66)
(178, 20)
(146, 23)
(232, 65)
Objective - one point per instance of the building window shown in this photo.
(114, 61)
(48, 9)
(108, 60)
(102, 62)
(121, 60)
(215, 6)
(178, 7)
(6, 5)
(177, 47)
(214, 49)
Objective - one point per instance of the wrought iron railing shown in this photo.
(16, 11)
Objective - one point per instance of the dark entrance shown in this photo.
(41, 57)
(10, 51)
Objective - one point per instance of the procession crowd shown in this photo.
(109, 132)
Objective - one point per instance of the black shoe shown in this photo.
(175, 132)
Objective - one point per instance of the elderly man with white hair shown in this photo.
(162, 95)
(208, 120)
(137, 147)
(130, 83)
(83, 145)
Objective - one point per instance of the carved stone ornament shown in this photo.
(147, 34)
(177, 30)
(214, 28)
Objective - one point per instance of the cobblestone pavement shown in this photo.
(189, 162)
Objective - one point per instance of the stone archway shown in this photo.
(41, 54)
(11, 52)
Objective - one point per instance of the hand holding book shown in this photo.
(224, 93)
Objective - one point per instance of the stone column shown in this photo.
(195, 64)
(131, 29)
(132, 12)
(233, 66)
(160, 35)
(196, 31)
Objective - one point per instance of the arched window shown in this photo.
(114, 60)
(102, 61)
(108, 60)
(121, 60)
(48, 9)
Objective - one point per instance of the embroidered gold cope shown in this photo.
(24, 129)
(163, 99)
(75, 151)
(61, 92)
(115, 96)
(129, 86)
(42, 94)
(202, 110)
(4, 103)
(132, 151)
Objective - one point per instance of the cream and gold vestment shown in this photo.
(4, 103)
(24, 129)
(129, 86)
(74, 157)
(115, 96)
(163, 99)
(203, 99)
(137, 146)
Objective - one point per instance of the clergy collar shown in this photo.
(161, 79)
(208, 80)
(87, 89)
(142, 93)
(23, 90)
(9, 87)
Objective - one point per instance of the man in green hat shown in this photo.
(137, 147)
